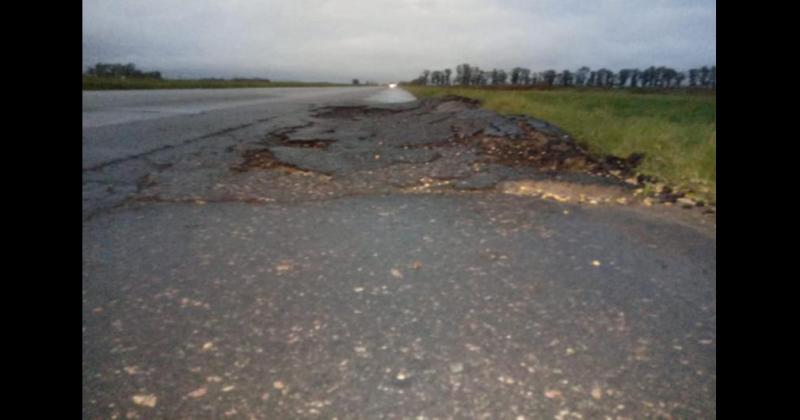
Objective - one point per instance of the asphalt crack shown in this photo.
(173, 146)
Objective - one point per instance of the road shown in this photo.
(311, 253)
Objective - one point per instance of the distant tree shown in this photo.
(121, 71)
(565, 78)
(582, 76)
(516, 73)
(679, 77)
(609, 79)
(635, 77)
(356, 82)
(466, 75)
(658, 76)
(649, 76)
(705, 72)
(436, 78)
(549, 77)
(713, 77)
(669, 76)
(463, 74)
(524, 76)
(694, 75)
(624, 76)
(477, 76)
(604, 78)
(501, 76)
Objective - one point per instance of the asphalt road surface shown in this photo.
(341, 253)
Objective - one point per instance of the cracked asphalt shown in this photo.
(328, 253)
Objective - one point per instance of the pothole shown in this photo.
(264, 159)
(353, 112)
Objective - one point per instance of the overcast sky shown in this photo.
(388, 40)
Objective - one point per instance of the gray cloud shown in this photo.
(384, 40)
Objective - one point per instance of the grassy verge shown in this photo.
(676, 131)
(104, 83)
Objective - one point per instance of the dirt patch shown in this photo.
(264, 159)
(452, 103)
(551, 153)
(565, 191)
(353, 112)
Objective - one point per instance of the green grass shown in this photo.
(676, 131)
(105, 83)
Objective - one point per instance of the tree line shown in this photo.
(118, 70)
(651, 77)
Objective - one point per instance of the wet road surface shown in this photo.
(317, 258)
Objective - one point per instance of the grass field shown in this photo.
(105, 83)
(676, 131)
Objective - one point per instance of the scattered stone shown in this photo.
(208, 345)
(597, 392)
(132, 370)
(456, 367)
(506, 380)
(596, 263)
(278, 385)
(396, 273)
(148, 400)
(199, 392)
(228, 388)
(472, 347)
(552, 393)
(554, 196)
(283, 266)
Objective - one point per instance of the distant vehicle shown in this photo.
(392, 85)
